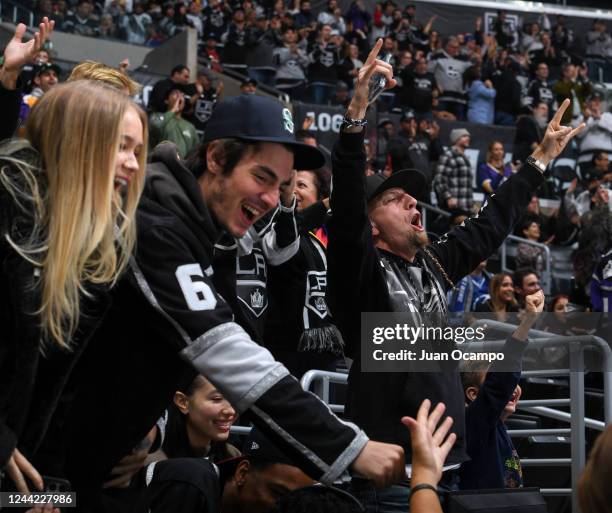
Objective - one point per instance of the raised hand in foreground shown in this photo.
(556, 136)
(17, 53)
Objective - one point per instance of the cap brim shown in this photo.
(411, 180)
(305, 157)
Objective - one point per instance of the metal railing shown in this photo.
(545, 275)
(15, 13)
(319, 381)
(576, 415)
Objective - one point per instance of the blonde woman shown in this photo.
(68, 196)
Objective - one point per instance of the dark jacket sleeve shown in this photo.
(180, 288)
(312, 217)
(351, 255)
(498, 387)
(463, 248)
(8, 442)
(10, 103)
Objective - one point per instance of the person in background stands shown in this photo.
(493, 172)
(453, 180)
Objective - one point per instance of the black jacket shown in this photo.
(168, 316)
(10, 101)
(31, 382)
(377, 401)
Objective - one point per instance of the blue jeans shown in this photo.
(263, 76)
(396, 498)
(321, 92)
(504, 119)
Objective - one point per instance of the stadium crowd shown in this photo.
(482, 76)
(123, 291)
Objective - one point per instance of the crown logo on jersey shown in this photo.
(320, 304)
(254, 446)
(257, 299)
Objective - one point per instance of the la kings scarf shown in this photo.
(413, 288)
(319, 334)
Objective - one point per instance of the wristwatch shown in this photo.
(538, 164)
(349, 122)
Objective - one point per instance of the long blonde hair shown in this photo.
(84, 229)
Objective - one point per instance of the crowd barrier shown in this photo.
(319, 383)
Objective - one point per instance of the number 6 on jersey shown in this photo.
(198, 294)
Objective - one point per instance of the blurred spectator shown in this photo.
(203, 98)
(597, 135)
(291, 62)
(418, 35)
(601, 283)
(493, 172)
(481, 97)
(26, 77)
(107, 29)
(341, 96)
(385, 134)
(234, 40)
(210, 52)
(562, 38)
(356, 37)
(531, 38)
(323, 70)
(419, 87)
(453, 181)
(350, 65)
(530, 129)
(434, 45)
(593, 241)
(471, 291)
(82, 22)
(170, 125)
(304, 17)
(574, 85)
(599, 52)
(528, 255)
(134, 25)
(46, 76)
(359, 16)
(448, 71)
(399, 146)
(539, 90)
(545, 53)
(44, 8)
(578, 201)
(215, 18)
(194, 18)
(501, 297)
(167, 26)
(546, 223)
(261, 41)
(505, 31)
(248, 86)
(526, 282)
(332, 16)
(508, 99)
(179, 76)
(600, 167)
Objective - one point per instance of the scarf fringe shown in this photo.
(326, 339)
